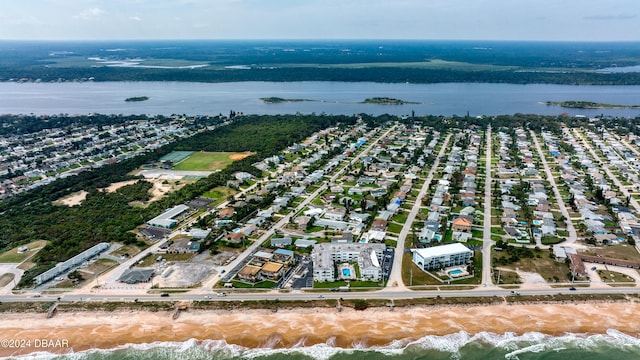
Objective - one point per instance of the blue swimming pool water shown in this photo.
(455, 272)
(346, 272)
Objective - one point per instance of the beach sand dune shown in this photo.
(290, 327)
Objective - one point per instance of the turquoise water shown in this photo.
(346, 272)
(613, 345)
(455, 272)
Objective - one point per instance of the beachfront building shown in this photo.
(444, 256)
(167, 218)
(367, 256)
(72, 263)
(272, 271)
(136, 276)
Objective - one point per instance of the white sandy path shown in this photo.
(115, 186)
(74, 199)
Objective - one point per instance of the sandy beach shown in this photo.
(288, 327)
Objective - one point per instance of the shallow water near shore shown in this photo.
(458, 346)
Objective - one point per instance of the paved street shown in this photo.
(573, 236)
(395, 278)
(487, 243)
(298, 295)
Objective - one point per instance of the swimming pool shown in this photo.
(455, 272)
(346, 272)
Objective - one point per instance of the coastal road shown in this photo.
(487, 243)
(309, 296)
(573, 235)
(395, 278)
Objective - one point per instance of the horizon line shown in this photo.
(321, 39)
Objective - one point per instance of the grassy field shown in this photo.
(5, 279)
(435, 64)
(130, 250)
(152, 259)
(412, 275)
(509, 277)
(12, 255)
(261, 285)
(100, 266)
(622, 252)
(613, 277)
(83, 62)
(548, 268)
(209, 161)
(220, 193)
(337, 284)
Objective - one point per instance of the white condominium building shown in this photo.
(442, 256)
(368, 257)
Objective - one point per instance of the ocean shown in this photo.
(613, 345)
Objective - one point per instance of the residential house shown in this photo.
(281, 242)
(272, 271)
(250, 273)
(461, 224)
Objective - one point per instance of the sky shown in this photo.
(556, 20)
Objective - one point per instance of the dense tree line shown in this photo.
(398, 74)
(264, 134)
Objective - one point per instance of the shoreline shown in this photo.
(295, 327)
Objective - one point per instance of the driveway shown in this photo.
(10, 269)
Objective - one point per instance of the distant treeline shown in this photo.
(375, 74)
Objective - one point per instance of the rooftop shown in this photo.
(442, 250)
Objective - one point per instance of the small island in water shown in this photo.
(589, 105)
(277, 100)
(386, 101)
(137, 98)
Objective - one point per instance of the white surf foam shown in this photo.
(511, 343)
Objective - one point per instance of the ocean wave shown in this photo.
(510, 346)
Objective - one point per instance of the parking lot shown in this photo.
(303, 276)
(183, 274)
(154, 233)
(387, 262)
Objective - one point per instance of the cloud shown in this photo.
(611, 17)
(90, 14)
(27, 20)
(135, 18)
